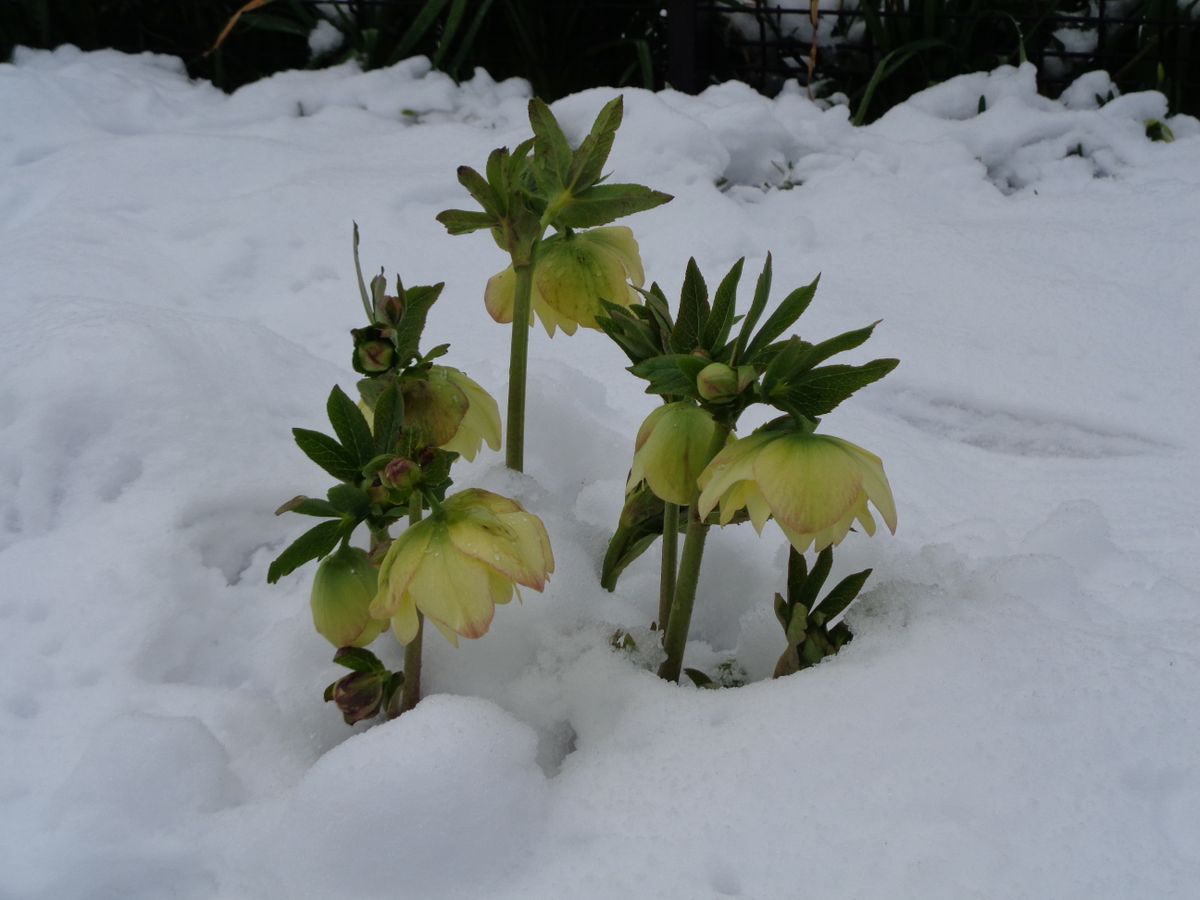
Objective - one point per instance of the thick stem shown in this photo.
(410, 693)
(670, 564)
(514, 449)
(680, 619)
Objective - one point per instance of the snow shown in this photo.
(1016, 716)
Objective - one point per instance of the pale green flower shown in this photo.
(815, 486)
(572, 273)
(671, 451)
(342, 591)
(451, 410)
(456, 565)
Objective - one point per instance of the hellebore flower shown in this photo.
(814, 485)
(572, 273)
(452, 411)
(342, 591)
(458, 563)
(670, 451)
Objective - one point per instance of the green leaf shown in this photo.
(693, 311)
(839, 344)
(699, 679)
(327, 453)
(313, 544)
(632, 334)
(350, 426)
(819, 391)
(672, 374)
(461, 221)
(587, 164)
(550, 146)
(604, 203)
(792, 307)
(785, 362)
(420, 299)
(478, 187)
(359, 659)
(308, 506)
(720, 320)
(349, 499)
(843, 594)
(806, 596)
(389, 418)
(762, 290)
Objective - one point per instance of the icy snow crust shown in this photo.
(1017, 715)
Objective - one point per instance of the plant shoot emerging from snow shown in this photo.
(687, 462)
(391, 454)
(563, 280)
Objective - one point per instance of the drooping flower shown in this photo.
(342, 591)
(451, 410)
(572, 273)
(671, 451)
(457, 564)
(814, 485)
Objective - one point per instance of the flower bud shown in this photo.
(358, 695)
(717, 383)
(671, 450)
(400, 474)
(342, 591)
(373, 353)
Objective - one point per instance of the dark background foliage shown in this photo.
(562, 46)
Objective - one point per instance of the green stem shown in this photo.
(410, 693)
(670, 564)
(680, 619)
(514, 450)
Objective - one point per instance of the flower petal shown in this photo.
(398, 568)
(875, 481)
(808, 481)
(405, 623)
(453, 588)
(619, 241)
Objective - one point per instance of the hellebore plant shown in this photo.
(391, 454)
(815, 486)
(545, 183)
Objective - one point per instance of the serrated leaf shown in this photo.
(462, 221)
(819, 391)
(762, 291)
(313, 544)
(604, 203)
(326, 453)
(700, 680)
(810, 588)
(350, 426)
(550, 146)
(349, 499)
(839, 344)
(720, 319)
(389, 418)
(671, 374)
(792, 307)
(843, 594)
(587, 163)
(420, 299)
(359, 659)
(693, 311)
(632, 334)
(784, 363)
(308, 506)
(477, 186)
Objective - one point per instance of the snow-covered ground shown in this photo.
(1017, 715)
